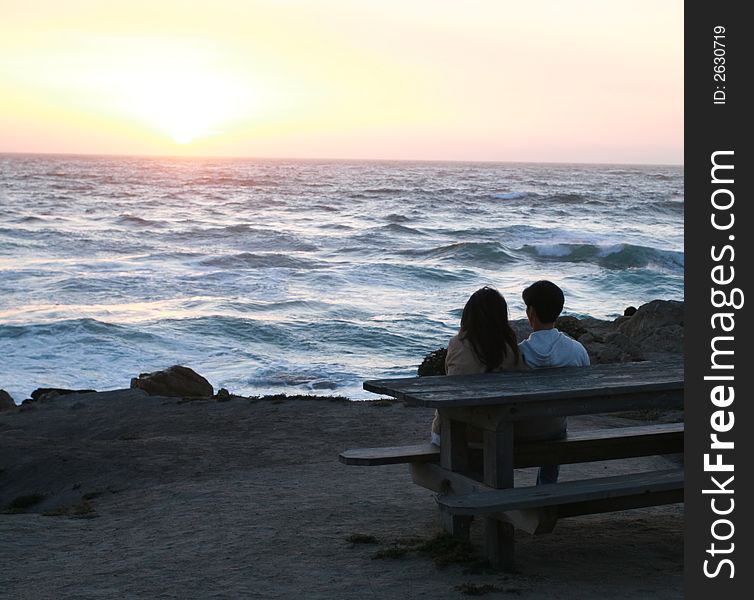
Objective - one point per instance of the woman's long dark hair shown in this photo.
(484, 323)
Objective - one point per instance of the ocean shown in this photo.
(303, 276)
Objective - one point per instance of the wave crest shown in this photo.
(616, 256)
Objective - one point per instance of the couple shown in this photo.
(486, 343)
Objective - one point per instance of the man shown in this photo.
(547, 347)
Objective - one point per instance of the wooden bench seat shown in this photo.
(580, 446)
(391, 455)
(572, 498)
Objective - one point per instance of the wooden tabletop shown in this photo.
(536, 385)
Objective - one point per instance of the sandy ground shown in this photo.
(244, 499)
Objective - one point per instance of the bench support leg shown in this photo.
(498, 473)
(454, 456)
(499, 544)
(456, 525)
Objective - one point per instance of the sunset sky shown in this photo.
(575, 81)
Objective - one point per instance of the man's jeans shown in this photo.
(548, 474)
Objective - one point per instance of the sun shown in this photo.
(187, 104)
(182, 92)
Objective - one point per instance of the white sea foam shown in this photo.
(511, 195)
(554, 250)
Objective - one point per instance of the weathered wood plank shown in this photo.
(534, 386)
(498, 457)
(391, 455)
(455, 456)
(583, 446)
(459, 526)
(639, 500)
(471, 392)
(454, 451)
(487, 415)
(498, 473)
(499, 544)
(433, 477)
(564, 493)
(602, 444)
(606, 403)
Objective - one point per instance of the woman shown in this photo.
(485, 343)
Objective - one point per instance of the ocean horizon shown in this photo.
(322, 159)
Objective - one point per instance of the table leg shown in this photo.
(454, 456)
(499, 544)
(498, 456)
(498, 473)
(456, 525)
(454, 450)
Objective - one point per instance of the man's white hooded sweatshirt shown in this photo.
(552, 348)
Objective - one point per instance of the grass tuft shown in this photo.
(409, 541)
(471, 589)
(83, 510)
(22, 504)
(444, 550)
(362, 538)
(382, 402)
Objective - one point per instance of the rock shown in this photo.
(619, 320)
(614, 347)
(43, 394)
(324, 385)
(223, 395)
(623, 342)
(656, 326)
(521, 328)
(630, 311)
(433, 363)
(601, 353)
(571, 326)
(6, 401)
(175, 381)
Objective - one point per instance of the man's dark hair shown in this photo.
(546, 299)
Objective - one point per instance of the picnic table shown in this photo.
(494, 403)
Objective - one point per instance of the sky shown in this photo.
(498, 80)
